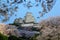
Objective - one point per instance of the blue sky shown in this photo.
(23, 10)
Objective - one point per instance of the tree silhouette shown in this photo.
(9, 7)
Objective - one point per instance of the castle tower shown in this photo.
(18, 20)
(29, 18)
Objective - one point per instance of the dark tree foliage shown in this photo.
(12, 38)
(9, 7)
(3, 37)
